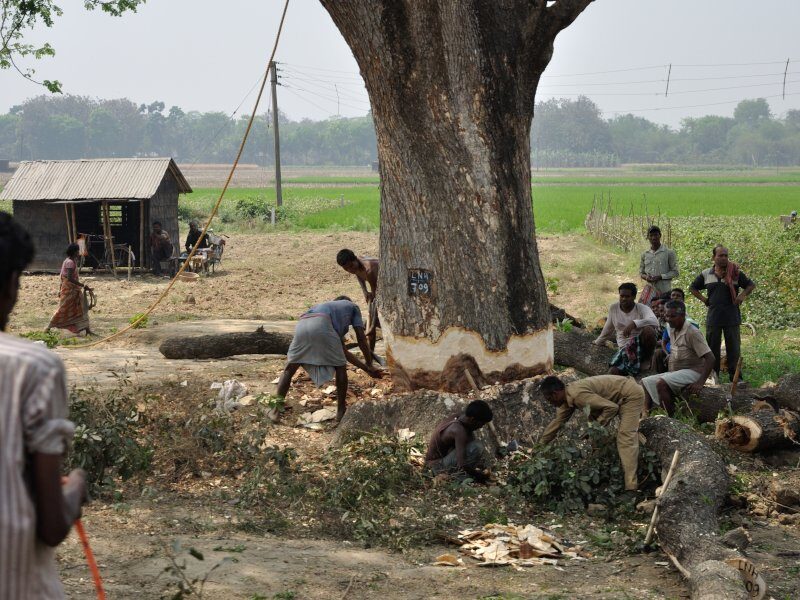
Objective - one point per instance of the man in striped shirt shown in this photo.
(36, 510)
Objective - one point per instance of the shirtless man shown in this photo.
(366, 271)
(453, 449)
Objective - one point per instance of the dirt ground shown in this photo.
(270, 280)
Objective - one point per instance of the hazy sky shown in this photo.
(206, 55)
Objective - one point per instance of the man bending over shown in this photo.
(606, 396)
(366, 271)
(318, 346)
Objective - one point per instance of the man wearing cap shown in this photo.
(658, 265)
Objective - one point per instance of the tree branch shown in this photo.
(564, 12)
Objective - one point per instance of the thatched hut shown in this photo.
(110, 202)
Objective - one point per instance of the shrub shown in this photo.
(570, 473)
(134, 321)
(48, 337)
(107, 438)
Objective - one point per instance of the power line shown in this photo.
(675, 93)
(660, 108)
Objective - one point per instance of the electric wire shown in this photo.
(152, 307)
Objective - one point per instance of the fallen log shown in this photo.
(559, 314)
(687, 524)
(575, 349)
(760, 430)
(226, 344)
(520, 413)
(787, 392)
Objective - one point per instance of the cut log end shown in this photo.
(760, 430)
(739, 432)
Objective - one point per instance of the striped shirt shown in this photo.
(33, 419)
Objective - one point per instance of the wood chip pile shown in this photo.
(511, 545)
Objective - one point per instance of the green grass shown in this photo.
(770, 354)
(557, 209)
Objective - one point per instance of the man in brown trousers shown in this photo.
(606, 396)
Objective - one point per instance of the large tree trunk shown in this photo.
(226, 344)
(687, 525)
(760, 430)
(452, 86)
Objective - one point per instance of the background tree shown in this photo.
(20, 16)
(452, 88)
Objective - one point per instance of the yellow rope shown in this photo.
(153, 306)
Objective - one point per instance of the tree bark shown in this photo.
(575, 349)
(452, 86)
(687, 525)
(760, 430)
(226, 344)
(787, 392)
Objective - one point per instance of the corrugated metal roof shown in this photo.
(95, 179)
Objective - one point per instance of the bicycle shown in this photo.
(122, 254)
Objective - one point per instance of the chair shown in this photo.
(214, 251)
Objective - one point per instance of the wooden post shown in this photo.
(141, 233)
(107, 236)
(70, 236)
(274, 81)
(130, 265)
(74, 223)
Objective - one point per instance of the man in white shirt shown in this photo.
(36, 510)
(635, 326)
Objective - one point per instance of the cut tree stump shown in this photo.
(760, 430)
(226, 344)
(687, 525)
(520, 413)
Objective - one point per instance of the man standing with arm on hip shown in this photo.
(727, 287)
(658, 265)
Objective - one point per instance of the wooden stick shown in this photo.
(651, 529)
(471, 380)
(736, 375)
(69, 224)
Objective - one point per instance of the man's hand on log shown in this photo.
(693, 389)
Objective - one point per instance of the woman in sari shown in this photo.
(73, 312)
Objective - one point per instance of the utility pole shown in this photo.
(274, 79)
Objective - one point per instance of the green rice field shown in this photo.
(557, 208)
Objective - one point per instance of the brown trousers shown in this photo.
(630, 411)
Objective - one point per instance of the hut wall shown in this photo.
(48, 227)
(163, 207)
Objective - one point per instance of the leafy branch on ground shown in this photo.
(176, 570)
